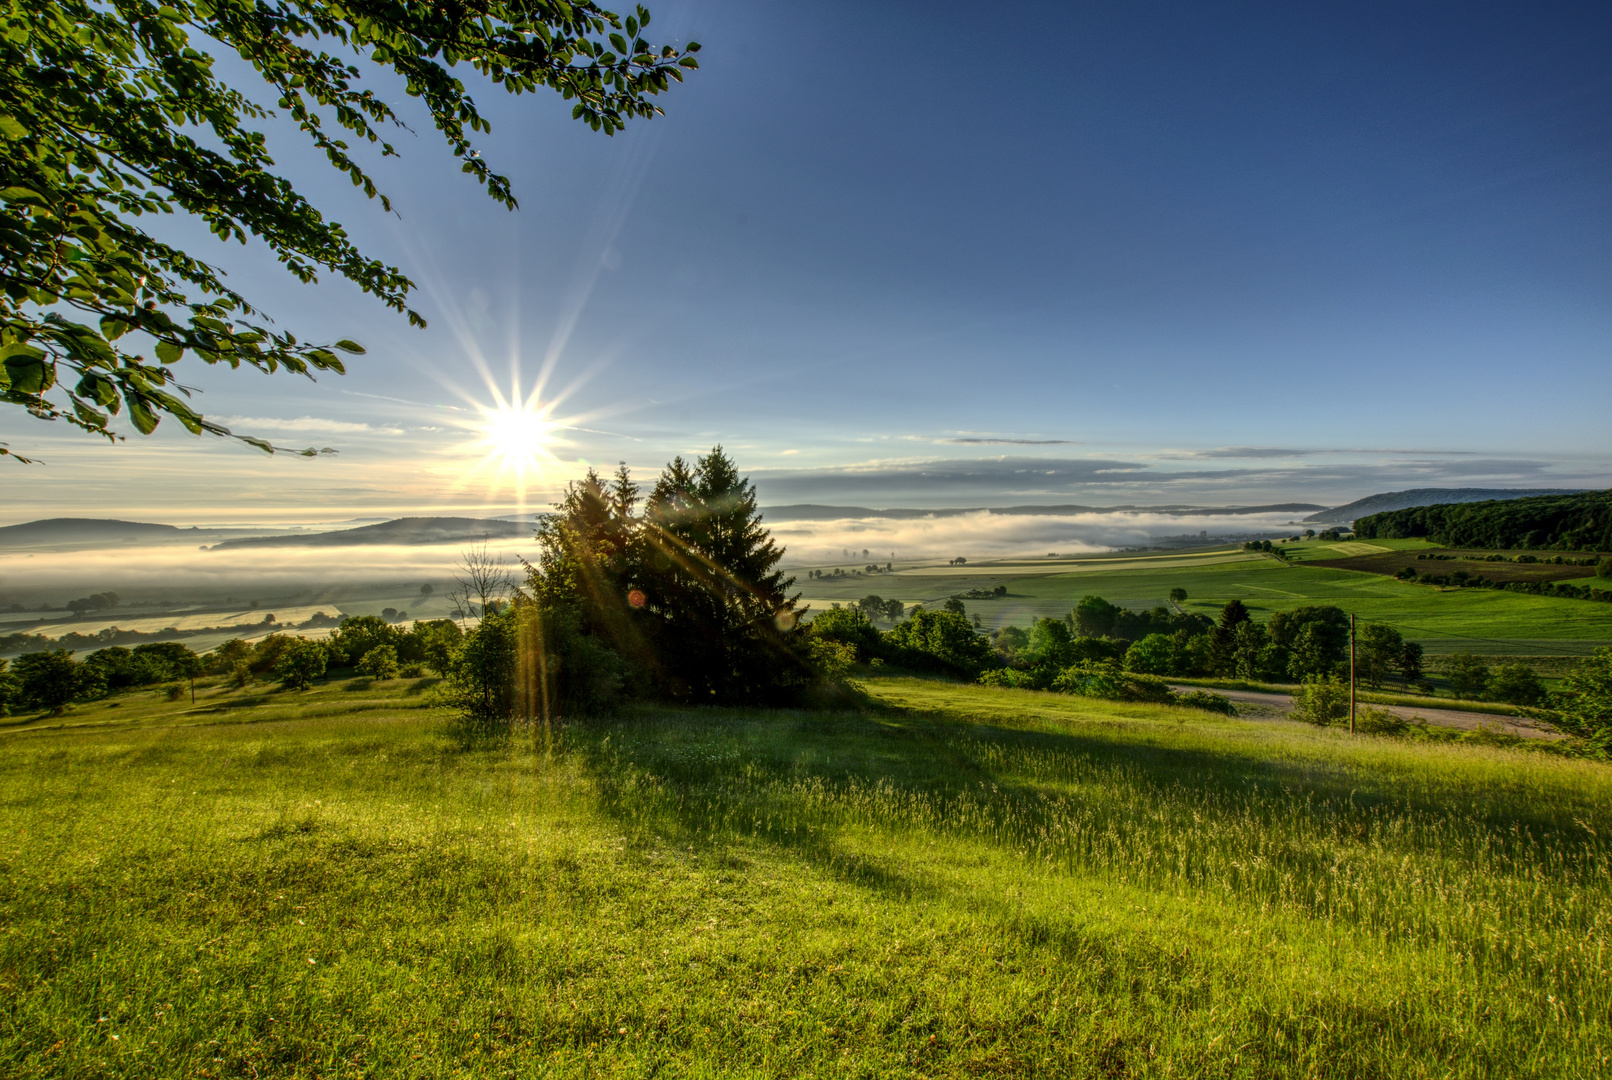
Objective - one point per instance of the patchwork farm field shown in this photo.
(1476, 620)
(958, 882)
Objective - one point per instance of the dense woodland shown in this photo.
(1581, 522)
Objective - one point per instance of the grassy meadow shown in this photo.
(1447, 620)
(958, 881)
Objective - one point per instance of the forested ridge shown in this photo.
(1581, 522)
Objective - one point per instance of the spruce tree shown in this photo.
(725, 619)
(1224, 636)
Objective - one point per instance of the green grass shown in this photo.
(1451, 620)
(970, 882)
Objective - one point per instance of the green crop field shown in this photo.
(1476, 620)
(959, 882)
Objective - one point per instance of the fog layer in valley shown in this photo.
(57, 576)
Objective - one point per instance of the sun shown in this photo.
(520, 435)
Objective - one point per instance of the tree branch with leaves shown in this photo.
(111, 112)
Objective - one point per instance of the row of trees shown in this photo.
(51, 679)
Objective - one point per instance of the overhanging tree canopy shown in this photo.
(109, 111)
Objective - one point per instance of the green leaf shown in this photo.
(140, 412)
(92, 417)
(11, 129)
(23, 195)
(347, 345)
(168, 352)
(99, 389)
(29, 374)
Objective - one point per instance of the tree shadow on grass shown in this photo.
(712, 774)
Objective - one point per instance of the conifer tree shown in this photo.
(723, 615)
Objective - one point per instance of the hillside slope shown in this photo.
(1404, 500)
(416, 530)
(1581, 522)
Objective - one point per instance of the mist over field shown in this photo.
(985, 532)
(167, 565)
(974, 534)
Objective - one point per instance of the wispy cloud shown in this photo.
(1006, 480)
(307, 423)
(985, 438)
(970, 441)
(1255, 453)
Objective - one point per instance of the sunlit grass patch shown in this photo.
(970, 882)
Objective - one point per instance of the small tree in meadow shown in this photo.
(1469, 676)
(480, 682)
(300, 662)
(379, 663)
(1382, 649)
(1410, 662)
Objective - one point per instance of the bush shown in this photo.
(175, 691)
(1106, 680)
(1016, 678)
(300, 662)
(832, 659)
(1208, 702)
(940, 640)
(1516, 684)
(1583, 707)
(849, 626)
(1370, 721)
(379, 663)
(414, 670)
(1321, 700)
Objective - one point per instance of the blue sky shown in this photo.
(900, 254)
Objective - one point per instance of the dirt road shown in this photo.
(1279, 704)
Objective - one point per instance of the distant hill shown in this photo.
(817, 512)
(85, 531)
(1404, 500)
(1576, 522)
(416, 530)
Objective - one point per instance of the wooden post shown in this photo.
(1351, 674)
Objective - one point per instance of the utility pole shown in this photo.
(1351, 674)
